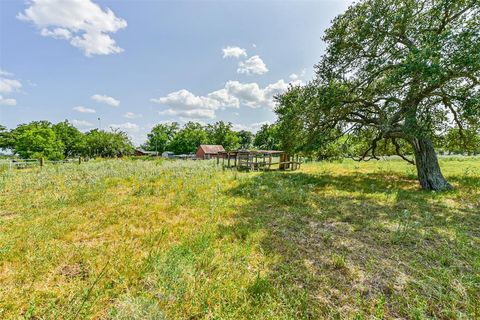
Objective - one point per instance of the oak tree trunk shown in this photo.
(428, 169)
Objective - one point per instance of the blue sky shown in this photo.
(138, 63)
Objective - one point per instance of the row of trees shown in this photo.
(186, 139)
(62, 140)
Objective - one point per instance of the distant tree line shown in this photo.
(43, 139)
(62, 140)
(186, 139)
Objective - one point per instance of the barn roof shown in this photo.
(211, 148)
(140, 150)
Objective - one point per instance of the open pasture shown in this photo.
(122, 239)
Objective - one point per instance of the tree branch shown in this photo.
(397, 150)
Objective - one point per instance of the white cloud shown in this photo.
(4, 73)
(9, 85)
(184, 99)
(136, 133)
(131, 115)
(7, 101)
(234, 52)
(82, 123)
(189, 114)
(254, 127)
(106, 99)
(249, 94)
(57, 33)
(224, 99)
(127, 126)
(82, 22)
(253, 65)
(295, 76)
(83, 109)
(185, 104)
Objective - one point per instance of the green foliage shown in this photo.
(37, 140)
(6, 139)
(187, 139)
(459, 142)
(100, 143)
(246, 139)
(41, 139)
(296, 130)
(72, 139)
(169, 137)
(221, 133)
(394, 69)
(161, 136)
(267, 138)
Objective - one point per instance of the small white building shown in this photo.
(168, 154)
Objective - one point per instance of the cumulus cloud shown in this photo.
(295, 76)
(189, 114)
(4, 73)
(83, 109)
(7, 101)
(184, 99)
(234, 52)
(106, 99)
(127, 126)
(57, 33)
(82, 22)
(132, 115)
(185, 104)
(8, 85)
(253, 96)
(82, 123)
(253, 127)
(253, 65)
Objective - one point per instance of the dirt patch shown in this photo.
(7, 215)
(77, 270)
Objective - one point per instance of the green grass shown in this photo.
(124, 239)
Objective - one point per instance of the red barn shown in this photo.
(207, 151)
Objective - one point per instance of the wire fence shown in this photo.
(10, 164)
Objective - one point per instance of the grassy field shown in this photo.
(124, 239)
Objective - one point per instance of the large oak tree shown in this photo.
(397, 70)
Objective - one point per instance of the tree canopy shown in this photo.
(161, 135)
(187, 139)
(36, 140)
(397, 70)
(267, 138)
(42, 139)
(222, 133)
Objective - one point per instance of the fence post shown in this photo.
(79, 160)
(41, 162)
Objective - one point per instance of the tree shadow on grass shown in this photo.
(362, 245)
